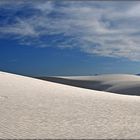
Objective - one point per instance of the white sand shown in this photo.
(31, 108)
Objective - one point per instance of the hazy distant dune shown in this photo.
(116, 83)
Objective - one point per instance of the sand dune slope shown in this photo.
(116, 83)
(31, 108)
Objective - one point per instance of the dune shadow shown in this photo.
(129, 91)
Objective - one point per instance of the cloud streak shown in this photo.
(100, 28)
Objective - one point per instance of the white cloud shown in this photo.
(45, 7)
(21, 28)
(134, 11)
(105, 29)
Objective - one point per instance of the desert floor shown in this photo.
(33, 108)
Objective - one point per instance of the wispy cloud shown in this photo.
(102, 28)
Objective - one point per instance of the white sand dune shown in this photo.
(31, 108)
(116, 83)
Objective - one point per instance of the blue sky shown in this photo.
(39, 38)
